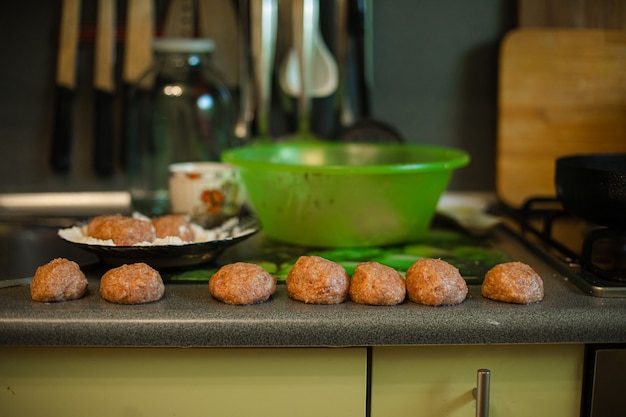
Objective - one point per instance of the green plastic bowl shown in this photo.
(344, 195)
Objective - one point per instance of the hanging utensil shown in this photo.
(180, 19)
(345, 113)
(226, 22)
(137, 57)
(245, 113)
(263, 23)
(323, 68)
(365, 129)
(139, 34)
(303, 12)
(65, 85)
(218, 21)
(104, 86)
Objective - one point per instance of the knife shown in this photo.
(219, 21)
(263, 23)
(6, 283)
(104, 88)
(137, 57)
(65, 85)
(180, 19)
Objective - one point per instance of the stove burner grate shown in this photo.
(597, 257)
(604, 252)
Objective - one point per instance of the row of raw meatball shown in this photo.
(315, 280)
(312, 280)
(62, 280)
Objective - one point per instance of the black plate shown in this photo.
(168, 256)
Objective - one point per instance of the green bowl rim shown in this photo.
(452, 158)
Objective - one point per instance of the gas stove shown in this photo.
(593, 257)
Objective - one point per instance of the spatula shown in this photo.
(322, 65)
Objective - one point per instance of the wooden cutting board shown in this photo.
(599, 14)
(560, 92)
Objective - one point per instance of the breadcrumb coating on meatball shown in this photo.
(316, 280)
(242, 283)
(136, 283)
(435, 282)
(122, 230)
(513, 282)
(58, 280)
(173, 225)
(377, 284)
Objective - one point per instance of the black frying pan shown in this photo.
(593, 187)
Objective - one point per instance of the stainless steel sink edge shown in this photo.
(86, 203)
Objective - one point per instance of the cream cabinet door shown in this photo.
(437, 381)
(234, 382)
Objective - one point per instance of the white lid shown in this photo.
(189, 45)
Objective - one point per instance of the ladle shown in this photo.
(302, 17)
(365, 129)
(322, 65)
(263, 23)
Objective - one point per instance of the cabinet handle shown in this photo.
(481, 392)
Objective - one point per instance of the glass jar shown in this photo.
(180, 111)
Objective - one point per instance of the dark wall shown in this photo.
(435, 75)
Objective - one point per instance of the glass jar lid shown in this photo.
(183, 45)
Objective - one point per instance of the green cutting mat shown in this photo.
(472, 256)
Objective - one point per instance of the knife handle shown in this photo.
(125, 125)
(104, 133)
(62, 130)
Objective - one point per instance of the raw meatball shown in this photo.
(377, 284)
(513, 282)
(132, 284)
(435, 282)
(58, 280)
(242, 283)
(173, 225)
(122, 230)
(316, 280)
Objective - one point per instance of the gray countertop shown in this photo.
(189, 316)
